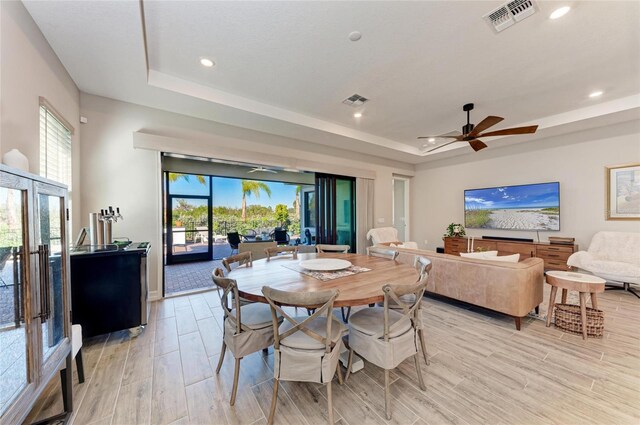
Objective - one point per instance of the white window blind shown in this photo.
(55, 145)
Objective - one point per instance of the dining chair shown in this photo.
(247, 328)
(423, 266)
(306, 349)
(244, 259)
(344, 249)
(376, 251)
(386, 337)
(281, 251)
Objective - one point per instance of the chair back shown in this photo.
(273, 251)
(229, 287)
(407, 309)
(344, 249)
(280, 236)
(242, 259)
(423, 265)
(234, 239)
(322, 301)
(376, 251)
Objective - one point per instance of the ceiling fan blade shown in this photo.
(442, 146)
(490, 121)
(477, 145)
(509, 131)
(440, 137)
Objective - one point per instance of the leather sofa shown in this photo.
(510, 288)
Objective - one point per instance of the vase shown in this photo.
(16, 159)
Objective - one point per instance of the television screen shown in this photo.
(523, 207)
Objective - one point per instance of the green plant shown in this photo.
(454, 229)
(282, 215)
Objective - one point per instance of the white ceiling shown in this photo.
(285, 67)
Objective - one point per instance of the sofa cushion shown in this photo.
(480, 255)
(513, 258)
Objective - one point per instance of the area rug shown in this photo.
(326, 276)
(572, 298)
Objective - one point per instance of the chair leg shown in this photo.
(387, 396)
(221, 359)
(339, 372)
(424, 346)
(80, 366)
(419, 373)
(345, 316)
(236, 375)
(330, 402)
(274, 401)
(349, 362)
(63, 382)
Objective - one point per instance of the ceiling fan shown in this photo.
(471, 133)
(262, 169)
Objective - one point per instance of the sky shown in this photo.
(526, 196)
(227, 192)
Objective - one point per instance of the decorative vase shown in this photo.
(16, 159)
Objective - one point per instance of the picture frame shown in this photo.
(622, 184)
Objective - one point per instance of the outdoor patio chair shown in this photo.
(325, 248)
(309, 239)
(202, 234)
(386, 337)
(281, 237)
(247, 328)
(179, 238)
(306, 349)
(286, 250)
(234, 241)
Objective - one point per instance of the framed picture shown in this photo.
(623, 192)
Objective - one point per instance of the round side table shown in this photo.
(571, 281)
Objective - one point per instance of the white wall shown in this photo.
(114, 173)
(31, 69)
(576, 160)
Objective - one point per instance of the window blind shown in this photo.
(55, 146)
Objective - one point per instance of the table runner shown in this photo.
(326, 276)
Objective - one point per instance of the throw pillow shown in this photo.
(514, 258)
(479, 255)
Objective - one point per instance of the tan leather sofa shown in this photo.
(510, 288)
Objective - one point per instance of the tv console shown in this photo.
(554, 256)
(502, 238)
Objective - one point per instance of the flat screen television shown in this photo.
(523, 207)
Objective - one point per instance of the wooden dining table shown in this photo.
(358, 289)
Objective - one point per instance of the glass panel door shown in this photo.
(50, 213)
(188, 232)
(13, 327)
(345, 213)
(399, 208)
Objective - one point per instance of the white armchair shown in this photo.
(388, 236)
(614, 256)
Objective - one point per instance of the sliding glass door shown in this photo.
(335, 210)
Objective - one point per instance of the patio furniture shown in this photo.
(306, 349)
(246, 329)
(309, 239)
(256, 248)
(385, 336)
(250, 235)
(571, 281)
(234, 240)
(282, 252)
(280, 236)
(178, 236)
(202, 234)
(322, 248)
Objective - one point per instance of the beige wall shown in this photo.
(576, 160)
(31, 69)
(114, 173)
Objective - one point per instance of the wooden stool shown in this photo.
(571, 281)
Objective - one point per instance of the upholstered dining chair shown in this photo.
(386, 337)
(307, 349)
(343, 249)
(376, 251)
(247, 328)
(244, 259)
(281, 251)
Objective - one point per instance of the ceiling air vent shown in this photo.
(509, 14)
(355, 100)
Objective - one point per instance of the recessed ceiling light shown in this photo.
(355, 36)
(559, 12)
(357, 115)
(207, 62)
(596, 93)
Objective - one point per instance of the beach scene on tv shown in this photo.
(525, 207)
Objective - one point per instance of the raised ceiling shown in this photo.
(285, 67)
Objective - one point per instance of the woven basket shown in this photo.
(568, 319)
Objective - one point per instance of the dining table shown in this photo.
(360, 288)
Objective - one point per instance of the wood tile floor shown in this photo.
(482, 372)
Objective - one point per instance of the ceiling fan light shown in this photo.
(559, 12)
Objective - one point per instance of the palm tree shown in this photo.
(296, 203)
(252, 187)
(175, 176)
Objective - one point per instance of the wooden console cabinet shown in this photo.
(555, 256)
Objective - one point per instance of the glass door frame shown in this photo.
(407, 221)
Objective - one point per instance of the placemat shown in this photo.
(326, 276)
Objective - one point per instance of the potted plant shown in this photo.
(454, 230)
